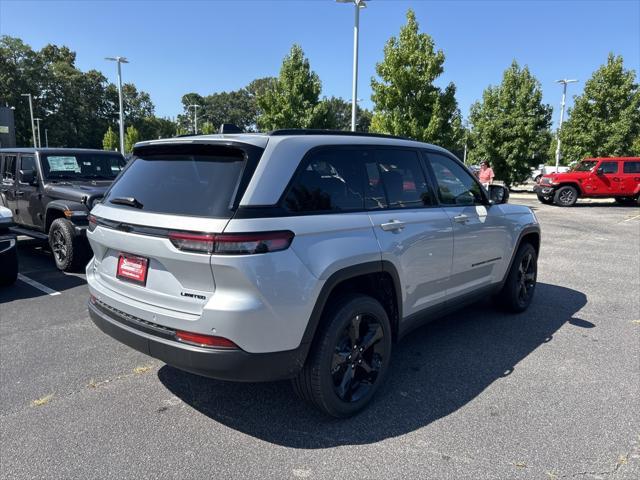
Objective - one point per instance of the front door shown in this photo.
(480, 231)
(28, 197)
(605, 180)
(414, 233)
(7, 182)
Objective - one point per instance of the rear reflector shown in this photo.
(232, 243)
(205, 340)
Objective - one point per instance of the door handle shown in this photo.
(461, 218)
(19, 194)
(616, 179)
(392, 225)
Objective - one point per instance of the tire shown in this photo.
(566, 196)
(327, 379)
(69, 250)
(546, 201)
(519, 288)
(9, 270)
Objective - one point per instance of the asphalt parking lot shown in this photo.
(551, 393)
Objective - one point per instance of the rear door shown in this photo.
(414, 233)
(630, 184)
(7, 185)
(480, 232)
(188, 191)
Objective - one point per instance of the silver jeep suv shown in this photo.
(299, 254)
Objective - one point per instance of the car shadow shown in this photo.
(36, 262)
(434, 371)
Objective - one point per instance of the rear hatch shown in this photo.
(149, 235)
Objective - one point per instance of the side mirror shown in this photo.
(28, 176)
(498, 194)
(600, 171)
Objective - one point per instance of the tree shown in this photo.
(605, 119)
(406, 101)
(131, 137)
(334, 113)
(110, 141)
(510, 126)
(291, 101)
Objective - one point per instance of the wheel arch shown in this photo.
(378, 279)
(530, 234)
(571, 184)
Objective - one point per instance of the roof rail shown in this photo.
(311, 131)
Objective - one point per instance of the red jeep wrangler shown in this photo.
(593, 178)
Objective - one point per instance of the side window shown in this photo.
(9, 168)
(609, 167)
(455, 185)
(27, 162)
(631, 167)
(403, 178)
(331, 180)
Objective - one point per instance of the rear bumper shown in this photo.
(221, 364)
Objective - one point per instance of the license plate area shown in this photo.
(132, 268)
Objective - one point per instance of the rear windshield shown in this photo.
(180, 183)
(80, 166)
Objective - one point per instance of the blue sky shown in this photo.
(177, 47)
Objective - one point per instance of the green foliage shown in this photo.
(76, 107)
(334, 113)
(131, 137)
(110, 140)
(207, 128)
(510, 126)
(292, 100)
(407, 102)
(605, 119)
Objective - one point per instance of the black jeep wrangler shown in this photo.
(51, 191)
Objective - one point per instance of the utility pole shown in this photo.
(38, 123)
(195, 117)
(46, 138)
(564, 83)
(120, 61)
(354, 87)
(33, 127)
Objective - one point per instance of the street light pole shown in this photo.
(33, 127)
(120, 61)
(358, 4)
(564, 83)
(46, 138)
(195, 117)
(38, 123)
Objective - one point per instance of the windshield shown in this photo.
(585, 166)
(200, 184)
(76, 166)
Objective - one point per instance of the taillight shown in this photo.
(205, 340)
(232, 243)
(193, 242)
(93, 222)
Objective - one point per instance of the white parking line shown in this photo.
(38, 285)
(632, 218)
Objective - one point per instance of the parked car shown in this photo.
(538, 173)
(299, 254)
(8, 251)
(618, 178)
(50, 192)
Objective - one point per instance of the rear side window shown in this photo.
(9, 168)
(202, 184)
(333, 180)
(631, 167)
(609, 167)
(403, 178)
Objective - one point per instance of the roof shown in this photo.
(53, 150)
(635, 159)
(313, 136)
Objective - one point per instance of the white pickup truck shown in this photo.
(536, 174)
